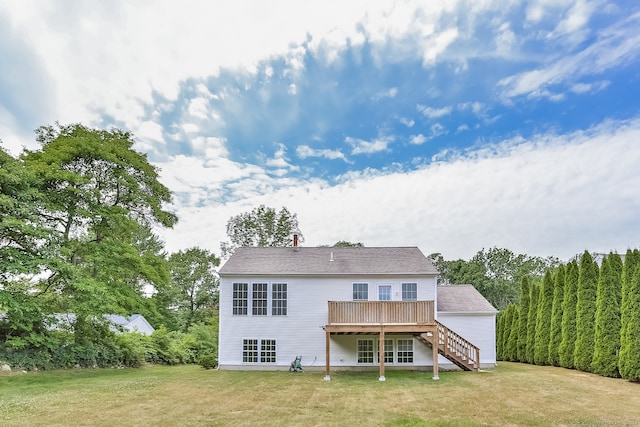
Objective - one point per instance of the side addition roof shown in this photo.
(462, 298)
(327, 261)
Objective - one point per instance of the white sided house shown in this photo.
(349, 308)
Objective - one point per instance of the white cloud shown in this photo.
(438, 45)
(389, 93)
(280, 161)
(199, 108)
(576, 18)
(581, 88)
(434, 113)
(418, 139)
(304, 151)
(407, 122)
(511, 195)
(360, 146)
(615, 46)
(505, 39)
(148, 135)
(190, 128)
(292, 89)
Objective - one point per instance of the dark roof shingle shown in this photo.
(327, 261)
(462, 298)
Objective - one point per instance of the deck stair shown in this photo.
(455, 348)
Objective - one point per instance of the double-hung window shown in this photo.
(258, 351)
(259, 300)
(250, 351)
(409, 291)
(388, 351)
(268, 351)
(365, 351)
(405, 351)
(240, 298)
(279, 299)
(360, 291)
(384, 293)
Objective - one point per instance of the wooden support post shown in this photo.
(436, 344)
(381, 352)
(327, 376)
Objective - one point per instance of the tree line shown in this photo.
(77, 221)
(77, 235)
(581, 316)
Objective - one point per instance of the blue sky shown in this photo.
(454, 127)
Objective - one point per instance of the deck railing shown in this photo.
(377, 312)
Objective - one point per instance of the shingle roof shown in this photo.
(317, 261)
(462, 298)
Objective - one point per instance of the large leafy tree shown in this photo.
(543, 321)
(98, 195)
(555, 335)
(567, 345)
(23, 249)
(192, 293)
(607, 329)
(497, 273)
(586, 312)
(263, 226)
(22, 238)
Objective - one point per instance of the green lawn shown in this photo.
(512, 394)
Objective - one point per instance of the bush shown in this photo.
(208, 361)
(134, 349)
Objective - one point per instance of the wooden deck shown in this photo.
(342, 313)
(410, 317)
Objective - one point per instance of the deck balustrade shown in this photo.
(381, 312)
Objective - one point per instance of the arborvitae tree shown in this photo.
(543, 321)
(629, 360)
(525, 298)
(500, 334)
(567, 345)
(512, 343)
(505, 331)
(531, 322)
(586, 313)
(607, 341)
(555, 336)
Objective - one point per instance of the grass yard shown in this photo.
(511, 394)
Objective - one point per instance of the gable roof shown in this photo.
(327, 261)
(462, 298)
(133, 323)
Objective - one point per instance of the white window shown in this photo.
(365, 351)
(360, 291)
(409, 291)
(405, 351)
(254, 350)
(250, 351)
(240, 298)
(268, 351)
(388, 351)
(384, 293)
(259, 299)
(279, 299)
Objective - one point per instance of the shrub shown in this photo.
(208, 361)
